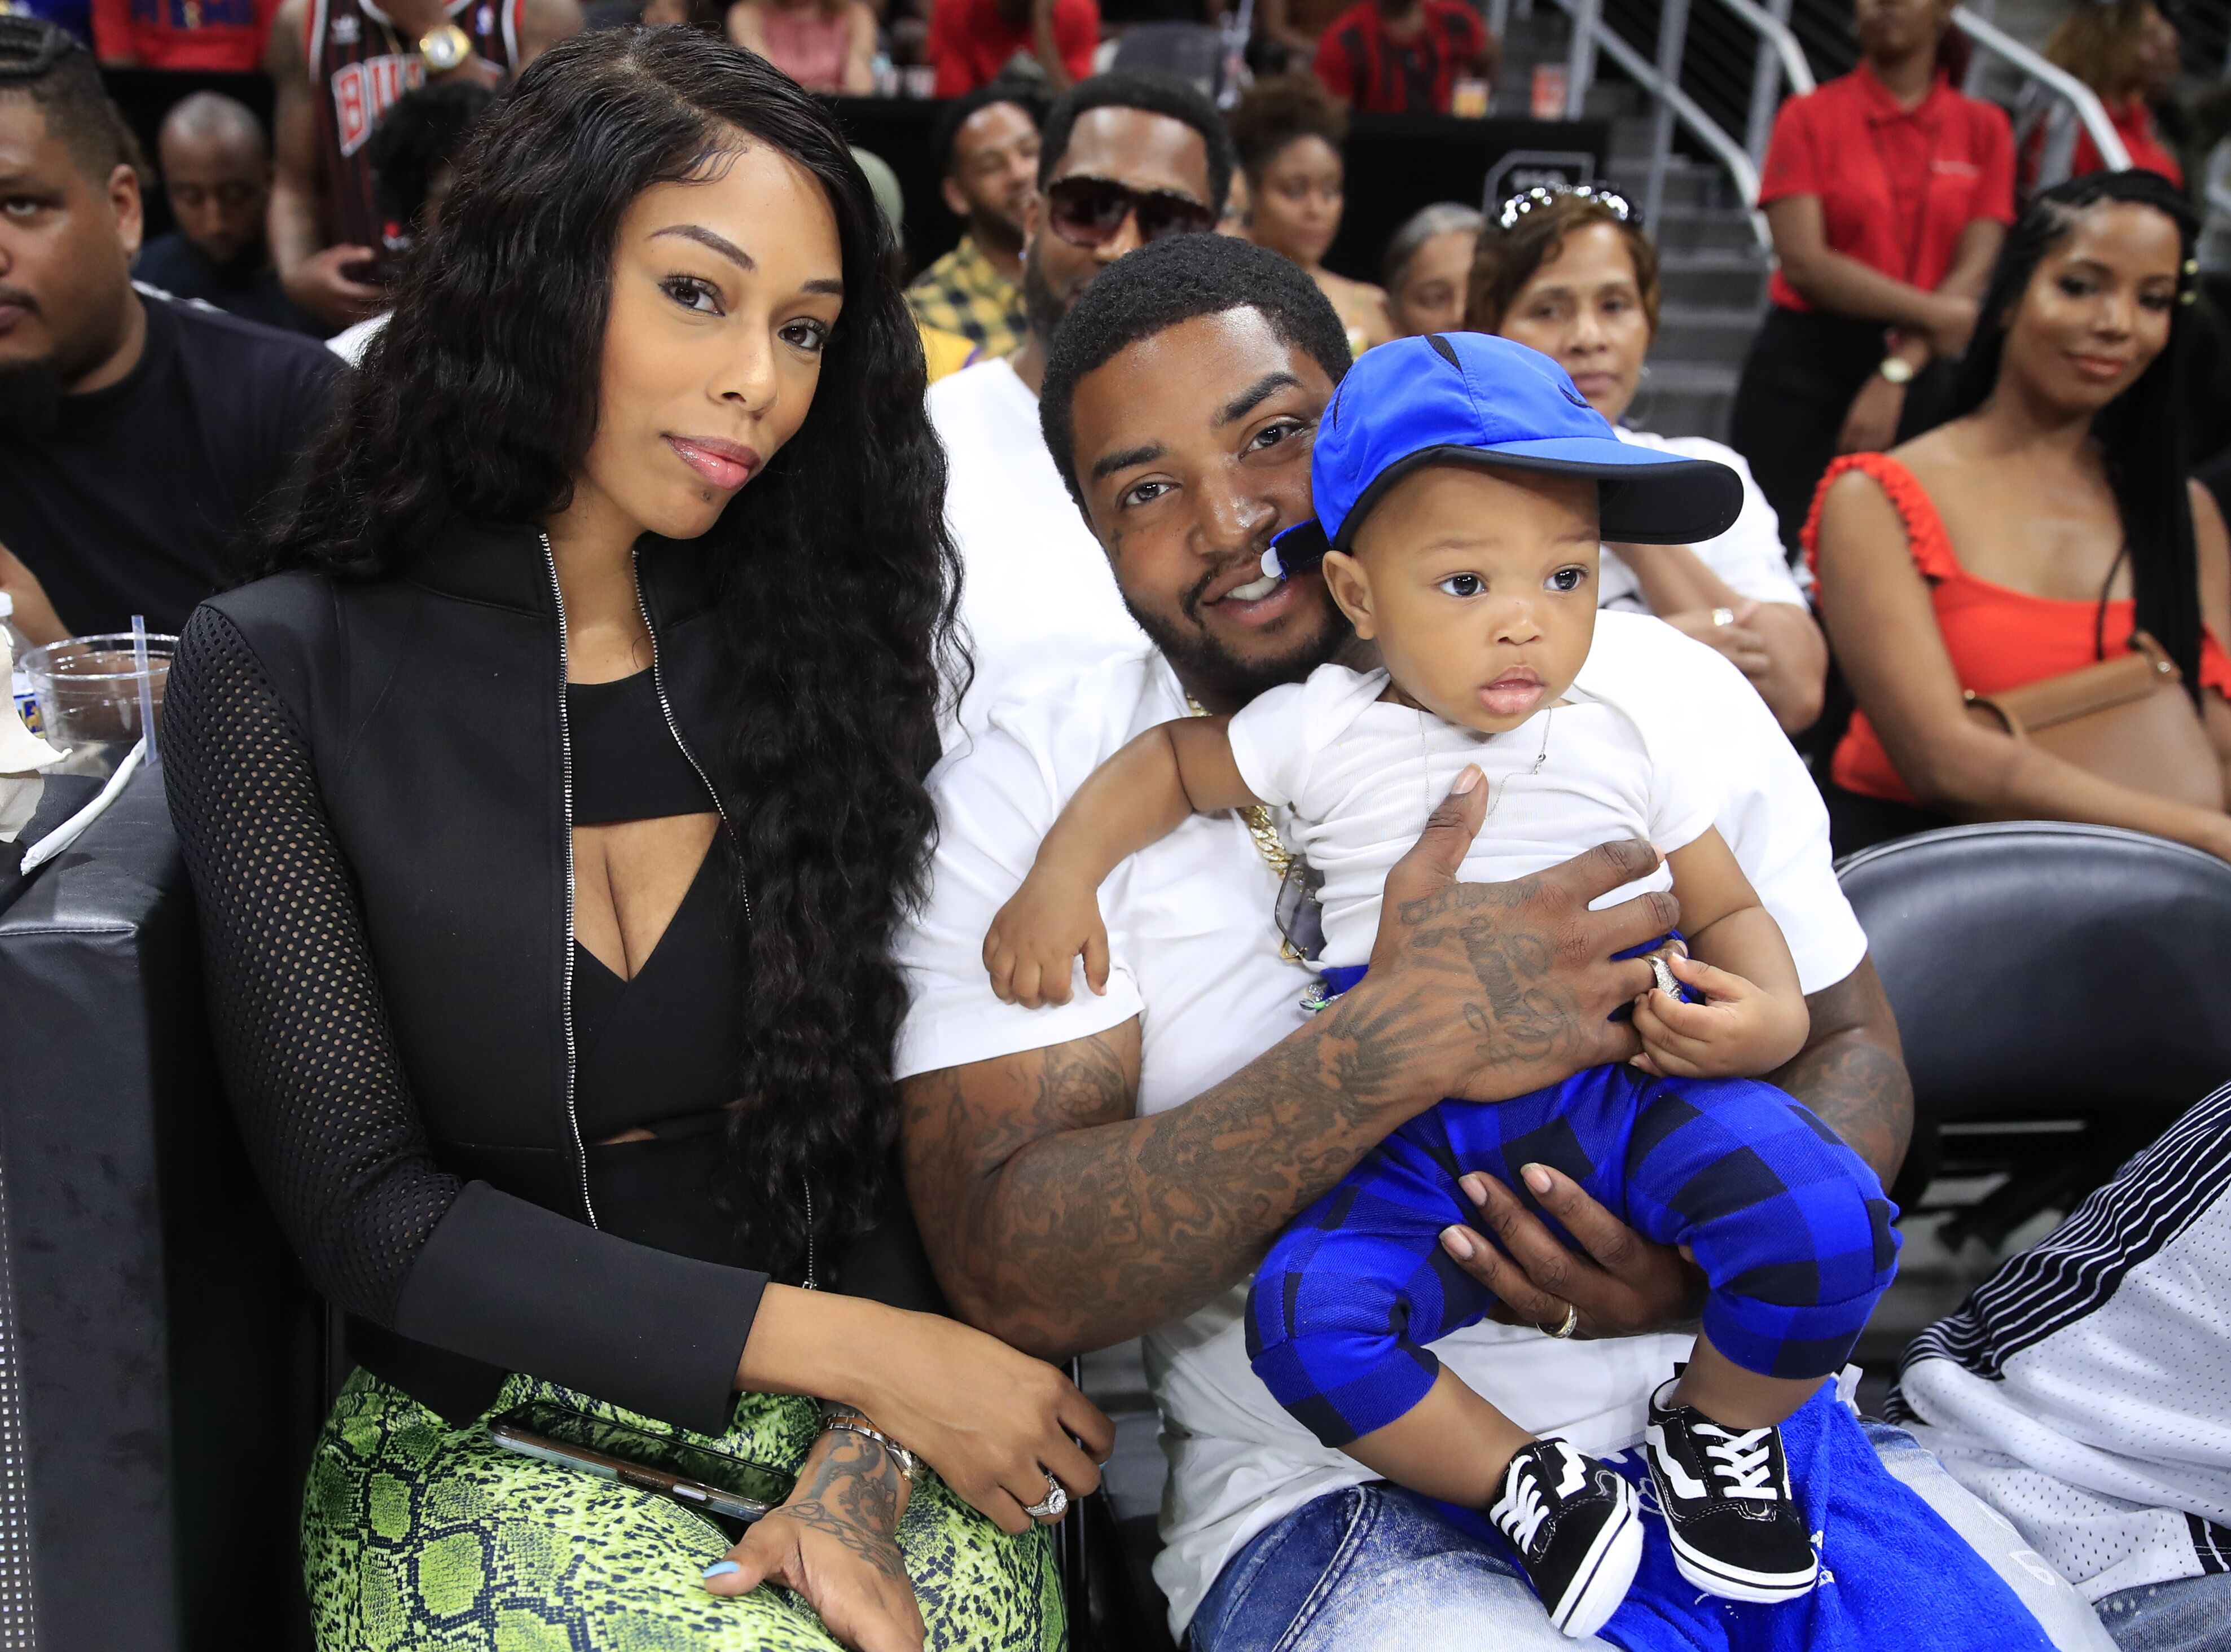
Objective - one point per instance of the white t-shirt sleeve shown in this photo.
(1770, 812)
(996, 795)
(1750, 556)
(1271, 745)
(1684, 793)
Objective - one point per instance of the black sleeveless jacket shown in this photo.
(372, 783)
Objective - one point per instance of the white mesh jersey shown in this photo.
(2084, 1391)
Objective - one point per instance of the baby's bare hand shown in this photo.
(1035, 941)
(1734, 1033)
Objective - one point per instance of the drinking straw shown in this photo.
(147, 688)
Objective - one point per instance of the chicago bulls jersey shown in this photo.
(360, 63)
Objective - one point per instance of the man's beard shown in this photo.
(30, 399)
(1205, 664)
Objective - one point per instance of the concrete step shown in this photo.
(1701, 334)
(1685, 228)
(1720, 280)
(1688, 183)
(1684, 398)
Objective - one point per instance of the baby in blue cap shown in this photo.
(1463, 488)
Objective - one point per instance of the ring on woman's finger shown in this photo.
(1572, 1323)
(1056, 1504)
(1723, 616)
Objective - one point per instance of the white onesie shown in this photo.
(1360, 775)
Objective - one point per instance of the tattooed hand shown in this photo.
(1504, 987)
(832, 1541)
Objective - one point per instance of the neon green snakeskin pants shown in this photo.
(419, 1536)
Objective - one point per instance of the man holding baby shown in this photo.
(1119, 1164)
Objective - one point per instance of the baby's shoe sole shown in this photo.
(1606, 1575)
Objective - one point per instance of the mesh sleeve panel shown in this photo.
(294, 1002)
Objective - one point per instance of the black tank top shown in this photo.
(659, 1051)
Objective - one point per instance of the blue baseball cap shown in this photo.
(1469, 398)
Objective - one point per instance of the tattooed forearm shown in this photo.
(851, 1490)
(1852, 1074)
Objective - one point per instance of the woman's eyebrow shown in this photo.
(711, 240)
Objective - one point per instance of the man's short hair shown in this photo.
(1156, 94)
(203, 117)
(1152, 290)
(946, 135)
(44, 63)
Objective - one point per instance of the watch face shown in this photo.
(445, 48)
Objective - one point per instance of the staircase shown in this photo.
(1712, 273)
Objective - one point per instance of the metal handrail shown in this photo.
(1729, 152)
(2113, 154)
(1776, 34)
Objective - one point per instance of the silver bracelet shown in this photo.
(837, 1416)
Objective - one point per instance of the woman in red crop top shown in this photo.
(2033, 532)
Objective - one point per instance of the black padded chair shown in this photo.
(2061, 991)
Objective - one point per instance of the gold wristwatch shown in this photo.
(445, 48)
(1897, 369)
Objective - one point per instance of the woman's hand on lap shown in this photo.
(1743, 644)
(1622, 1284)
(833, 1542)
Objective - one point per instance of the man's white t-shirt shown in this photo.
(1749, 556)
(1195, 956)
(1360, 775)
(1036, 588)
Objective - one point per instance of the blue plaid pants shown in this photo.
(1790, 1226)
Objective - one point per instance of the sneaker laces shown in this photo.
(1742, 1462)
(1521, 1510)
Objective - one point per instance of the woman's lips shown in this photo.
(1512, 695)
(2101, 368)
(724, 464)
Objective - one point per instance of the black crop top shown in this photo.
(627, 764)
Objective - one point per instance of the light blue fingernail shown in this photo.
(721, 1568)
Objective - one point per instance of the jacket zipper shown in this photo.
(566, 788)
(743, 878)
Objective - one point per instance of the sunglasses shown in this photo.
(1541, 196)
(1090, 212)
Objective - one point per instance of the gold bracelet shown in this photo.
(835, 1417)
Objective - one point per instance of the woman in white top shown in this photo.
(1570, 273)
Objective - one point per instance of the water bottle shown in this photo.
(27, 703)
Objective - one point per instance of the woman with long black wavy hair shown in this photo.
(2032, 533)
(551, 812)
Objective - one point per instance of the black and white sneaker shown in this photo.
(1577, 1530)
(1737, 1532)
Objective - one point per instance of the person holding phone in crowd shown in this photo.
(583, 728)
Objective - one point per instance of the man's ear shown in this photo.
(956, 201)
(1351, 587)
(124, 201)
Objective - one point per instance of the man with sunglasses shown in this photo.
(1125, 159)
(1116, 1164)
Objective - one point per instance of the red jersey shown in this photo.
(224, 35)
(360, 63)
(970, 42)
(1360, 62)
(1896, 186)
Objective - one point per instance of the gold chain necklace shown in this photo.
(1256, 818)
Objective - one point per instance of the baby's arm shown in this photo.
(1139, 796)
(1754, 1017)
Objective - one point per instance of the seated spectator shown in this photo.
(1287, 32)
(1042, 43)
(1128, 158)
(2126, 51)
(986, 145)
(338, 65)
(823, 45)
(2079, 1391)
(141, 439)
(1877, 276)
(1403, 56)
(2033, 535)
(558, 1036)
(147, 34)
(1118, 1164)
(1574, 276)
(1287, 133)
(217, 174)
(413, 154)
(1428, 267)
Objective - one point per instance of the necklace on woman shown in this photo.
(1256, 818)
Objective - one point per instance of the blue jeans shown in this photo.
(1373, 1568)
(2191, 1615)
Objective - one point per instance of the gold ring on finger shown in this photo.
(1565, 1331)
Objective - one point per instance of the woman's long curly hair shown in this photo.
(838, 581)
(2141, 432)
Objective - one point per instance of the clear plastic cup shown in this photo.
(89, 695)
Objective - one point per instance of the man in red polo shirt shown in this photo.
(971, 41)
(1403, 56)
